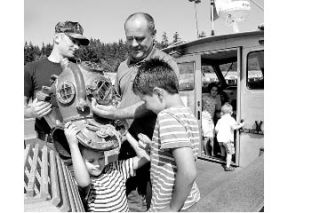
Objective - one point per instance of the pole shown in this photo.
(196, 17)
(235, 27)
(212, 8)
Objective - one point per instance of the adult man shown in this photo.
(140, 34)
(67, 38)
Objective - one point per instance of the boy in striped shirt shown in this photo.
(102, 186)
(175, 142)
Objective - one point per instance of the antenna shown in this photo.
(233, 12)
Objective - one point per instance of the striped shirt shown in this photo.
(107, 192)
(175, 127)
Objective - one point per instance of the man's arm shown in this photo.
(111, 112)
(185, 177)
(36, 109)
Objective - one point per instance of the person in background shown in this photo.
(140, 34)
(207, 133)
(225, 133)
(214, 101)
(175, 141)
(67, 39)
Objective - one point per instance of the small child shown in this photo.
(102, 186)
(207, 133)
(225, 133)
(175, 142)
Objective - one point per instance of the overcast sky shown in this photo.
(103, 19)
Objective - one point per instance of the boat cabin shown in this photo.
(234, 62)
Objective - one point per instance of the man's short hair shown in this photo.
(155, 73)
(149, 19)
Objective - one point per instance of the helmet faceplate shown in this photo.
(74, 89)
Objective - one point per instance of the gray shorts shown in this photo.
(229, 147)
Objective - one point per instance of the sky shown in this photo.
(103, 19)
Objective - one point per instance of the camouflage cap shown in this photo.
(72, 29)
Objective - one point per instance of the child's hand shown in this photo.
(70, 132)
(144, 142)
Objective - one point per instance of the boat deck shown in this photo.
(241, 190)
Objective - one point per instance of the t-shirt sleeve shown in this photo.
(233, 122)
(170, 60)
(126, 168)
(175, 67)
(172, 133)
(28, 85)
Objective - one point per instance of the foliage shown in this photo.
(176, 37)
(202, 34)
(108, 54)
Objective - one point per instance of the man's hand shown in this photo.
(40, 108)
(70, 131)
(103, 111)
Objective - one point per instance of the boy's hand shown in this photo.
(70, 132)
(144, 142)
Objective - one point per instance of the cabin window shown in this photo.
(186, 80)
(255, 70)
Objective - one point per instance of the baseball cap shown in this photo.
(72, 29)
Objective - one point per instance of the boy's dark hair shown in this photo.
(155, 73)
(81, 148)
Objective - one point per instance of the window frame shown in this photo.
(247, 70)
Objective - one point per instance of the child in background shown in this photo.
(207, 133)
(175, 142)
(225, 133)
(102, 185)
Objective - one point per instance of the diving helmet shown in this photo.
(72, 92)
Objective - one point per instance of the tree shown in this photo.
(31, 52)
(110, 55)
(202, 34)
(164, 42)
(46, 49)
(176, 37)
